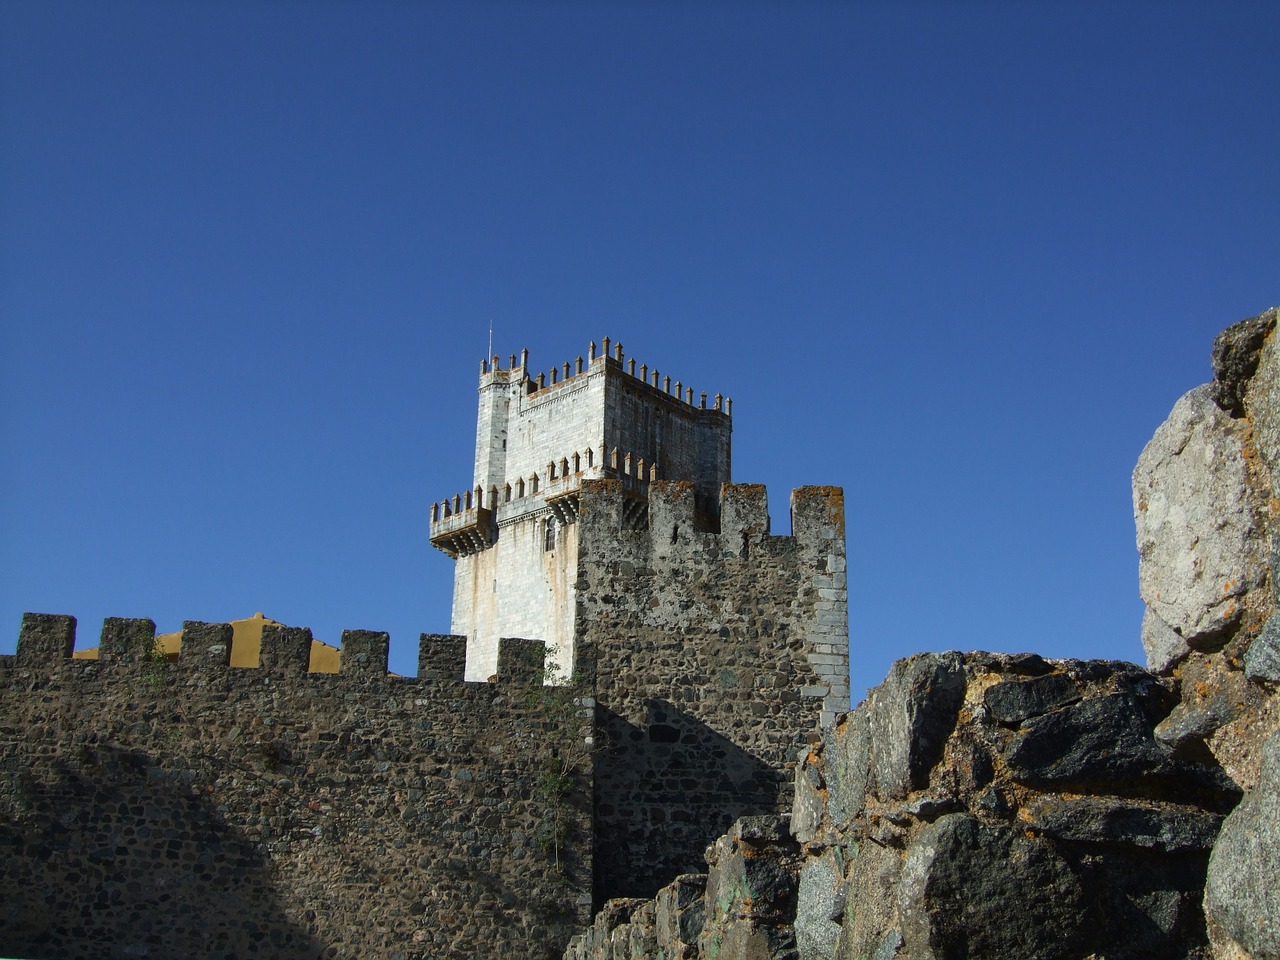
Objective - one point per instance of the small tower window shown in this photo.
(550, 541)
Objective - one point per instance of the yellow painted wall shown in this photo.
(246, 642)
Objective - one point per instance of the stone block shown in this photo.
(521, 660)
(744, 510)
(820, 906)
(127, 640)
(442, 657)
(679, 913)
(45, 639)
(285, 650)
(206, 645)
(911, 716)
(364, 653)
(982, 891)
(1201, 545)
(1242, 898)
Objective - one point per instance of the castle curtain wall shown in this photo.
(195, 809)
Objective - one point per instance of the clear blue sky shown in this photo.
(959, 258)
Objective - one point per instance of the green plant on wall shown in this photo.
(563, 766)
(553, 787)
(154, 663)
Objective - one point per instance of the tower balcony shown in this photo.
(464, 532)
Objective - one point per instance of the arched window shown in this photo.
(549, 542)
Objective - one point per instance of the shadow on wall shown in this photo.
(665, 791)
(112, 857)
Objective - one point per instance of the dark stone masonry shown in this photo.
(189, 809)
(192, 809)
(714, 656)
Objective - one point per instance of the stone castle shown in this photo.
(154, 806)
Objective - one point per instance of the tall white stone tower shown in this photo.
(514, 533)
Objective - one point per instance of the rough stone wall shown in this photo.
(995, 806)
(190, 809)
(714, 656)
(742, 908)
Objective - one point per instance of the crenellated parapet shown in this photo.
(188, 802)
(468, 522)
(609, 355)
(46, 642)
(602, 518)
(540, 437)
(672, 508)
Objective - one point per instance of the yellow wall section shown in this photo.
(246, 641)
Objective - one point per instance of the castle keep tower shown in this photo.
(601, 521)
(538, 437)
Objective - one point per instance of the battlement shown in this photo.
(465, 523)
(46, 642)
(672, 508)
(610, 357)
(269, 809)
(468, 522)
(724, 638)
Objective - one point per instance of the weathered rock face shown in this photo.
(1207, 509)
(742, 909)
(1242, 899)
(1043, 818)
(751, 892)
(1199, 522)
